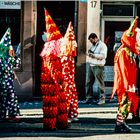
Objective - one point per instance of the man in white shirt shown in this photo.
(96, 58)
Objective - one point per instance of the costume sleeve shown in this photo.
(123, 68)
(15, 61)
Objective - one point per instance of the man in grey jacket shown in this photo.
(96, 59)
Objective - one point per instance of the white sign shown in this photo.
(11, 4)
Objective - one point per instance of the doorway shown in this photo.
(112, 30)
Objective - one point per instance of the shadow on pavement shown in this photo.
(33, 127)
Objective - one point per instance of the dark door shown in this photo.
(113, 33)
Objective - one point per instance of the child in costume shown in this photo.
(8, 61)
(68, 52)
(125, 74)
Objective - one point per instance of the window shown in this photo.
(10, 17)
(118, 10)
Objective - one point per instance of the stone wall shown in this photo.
(81, 51)
(24, 84)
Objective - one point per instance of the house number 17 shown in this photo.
(93, 3)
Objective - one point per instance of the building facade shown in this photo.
(107, 18)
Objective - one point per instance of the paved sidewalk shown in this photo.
(94, 121)
(34, 109)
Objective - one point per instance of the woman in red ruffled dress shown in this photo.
(55, 114)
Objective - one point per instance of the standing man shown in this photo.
(96, 60)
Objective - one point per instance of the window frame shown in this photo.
(102, 6)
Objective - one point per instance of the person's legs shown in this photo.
(121, 126)
(89, 83)
(3, 106)
(12, 102)
(122, 115)
(99, 76)
(13, 107)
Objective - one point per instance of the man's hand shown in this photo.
(91, 55)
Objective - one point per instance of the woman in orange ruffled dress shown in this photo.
(125, 74)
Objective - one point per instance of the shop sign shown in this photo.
(11, 4)
(83, 0)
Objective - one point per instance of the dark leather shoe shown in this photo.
(122, 128)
